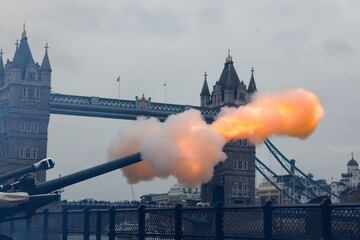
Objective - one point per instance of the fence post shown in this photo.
(65, 229)
(28, 228)
(141, 222)
(98, 225)
(86, 233)
(267, 212)
(112, 231)
(325, 209)
(45, 227)
(219, 221)
(178, 222)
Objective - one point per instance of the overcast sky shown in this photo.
(305, 43)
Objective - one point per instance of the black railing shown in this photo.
(308, 221)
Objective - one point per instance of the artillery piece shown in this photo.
(21, 198)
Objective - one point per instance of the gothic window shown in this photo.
(240, 187)
(245, 165)
(22, 127)
(24, 92)
(34, 153)
(30, 153)
(27, 153)
(36, 93)
(30, 92)
(28, 127)
(31, 75)
(35, 127)
(240, 165)
(22, 152)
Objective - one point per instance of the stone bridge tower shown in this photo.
(24, 108)
(233, 182)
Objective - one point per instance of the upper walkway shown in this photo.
(120, 108)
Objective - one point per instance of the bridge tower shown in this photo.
(24, 108)
(233, 182)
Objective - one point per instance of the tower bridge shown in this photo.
(26, 102)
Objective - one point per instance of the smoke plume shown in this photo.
(188, 148)
(295, 113)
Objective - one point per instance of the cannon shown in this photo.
(44, 164)
(23, 200)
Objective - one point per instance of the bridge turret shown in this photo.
(45, 68)
(205, 93)
(24, 128)
(233, 182)
(252, 85)
(23, 56)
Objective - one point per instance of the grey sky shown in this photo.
(304, 43)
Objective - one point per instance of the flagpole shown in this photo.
(165, 85)
(118, 80)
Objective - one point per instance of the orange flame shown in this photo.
(295, 113)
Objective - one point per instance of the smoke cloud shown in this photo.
(188, 148)
(184, 146)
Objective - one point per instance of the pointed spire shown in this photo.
(252, 85)
(229, 81)
(2, 70)
(45, 65)
(229, 57)
(228, 75)
(23, 56)
(23, 34)
(205, 89)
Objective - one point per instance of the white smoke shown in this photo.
(184, 146)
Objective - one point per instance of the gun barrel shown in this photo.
(44, 164)
(55, 184)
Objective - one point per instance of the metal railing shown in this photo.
(308, 221)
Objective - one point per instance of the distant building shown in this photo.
(233, 182)
(352, 177)
(24, 91)
(337, 188)
(351, 195)
(267, 192)
(178, 193)
(155, 198)
(349, 185)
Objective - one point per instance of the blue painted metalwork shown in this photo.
(308, 192)
(306, 180)
(120, 108)
(262, 169)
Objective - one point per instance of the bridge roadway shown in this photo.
(120, 108)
